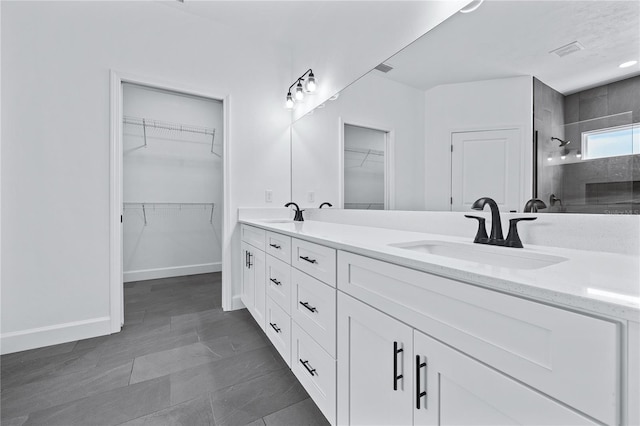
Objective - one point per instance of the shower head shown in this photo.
(562, 143)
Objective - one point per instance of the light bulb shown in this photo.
(311, 83)
(290, 104)
(562, 157)
(579, 154)
(299, 91)
(549, 158)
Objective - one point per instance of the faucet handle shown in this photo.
(481, 235)
(513, 239)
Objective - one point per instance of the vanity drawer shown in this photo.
(569, 356)
(279, 282)
(254, 236)
(313, 307)
(279, 246)
(314, 259)
(316, 371)
(278, 329)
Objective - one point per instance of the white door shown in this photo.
(375, 373)
(461, 391)
(485, 164)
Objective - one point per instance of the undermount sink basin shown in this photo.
(278, 221)
(488, 255)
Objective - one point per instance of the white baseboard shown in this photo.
(55, 334)
(174, 271)
(236, 303)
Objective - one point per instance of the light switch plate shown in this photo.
(311, 196)
(268, 196)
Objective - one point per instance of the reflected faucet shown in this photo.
(533, 205)
(326, 204)
(298, 216)
(496, 237)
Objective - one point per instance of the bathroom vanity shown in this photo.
(396, 327)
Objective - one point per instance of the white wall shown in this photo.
(481, 105)
(56, 59)
(173, 167)
(373, 102)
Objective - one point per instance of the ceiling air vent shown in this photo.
(568, 49)
(384, 68)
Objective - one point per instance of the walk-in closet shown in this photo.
(172, 177)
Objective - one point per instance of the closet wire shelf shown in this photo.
(369, 154)
(145, 206)
(147, 123)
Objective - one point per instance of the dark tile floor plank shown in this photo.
(303, 413)
(195, 412)
(248, 401)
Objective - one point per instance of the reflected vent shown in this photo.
(384, 68)
(568, 49)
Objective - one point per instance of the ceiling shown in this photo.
(513, 38)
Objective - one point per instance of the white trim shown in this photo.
(54, 334)
(389, 161)
(237, 302)
(174, 271)
(115, 209)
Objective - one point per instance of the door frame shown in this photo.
(389, 160)
(116, 285)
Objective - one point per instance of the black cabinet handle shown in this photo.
(275, 327)
(250, 264)
(276, 282)
(420, 393)
(396, 376)
(275, 246)
(311, 371)
(309, 307)
(308, 260)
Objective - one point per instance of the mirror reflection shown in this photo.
(517, 100)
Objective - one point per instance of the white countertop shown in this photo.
(601, 283)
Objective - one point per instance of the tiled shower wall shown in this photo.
(606, 185)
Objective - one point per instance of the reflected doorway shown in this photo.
(366, 168)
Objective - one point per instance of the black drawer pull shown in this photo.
(309, 307)
(420, 393)
(276, 282)
(250, 264)
(275, 246)
(275, 327)
(311, 371)
(308, 260)
(396, 376)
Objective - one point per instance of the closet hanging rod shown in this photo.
(365, 151)
(165, 125)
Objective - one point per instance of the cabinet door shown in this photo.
(258, 264)
(375, 372)
(453, 389)
(248, 278)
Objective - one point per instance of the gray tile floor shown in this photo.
(179, 360)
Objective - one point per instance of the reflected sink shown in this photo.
(505, 257)
(277, 220)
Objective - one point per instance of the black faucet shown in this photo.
(298, 217)
(326, 204)
(533, 205)
(496, 237)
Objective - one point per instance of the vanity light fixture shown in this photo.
(471, 6)
(562, 143)
(627, 64)
(302, 86)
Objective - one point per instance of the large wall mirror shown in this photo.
(516, 100)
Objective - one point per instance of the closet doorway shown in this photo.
(367, 172)
(169, 190)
